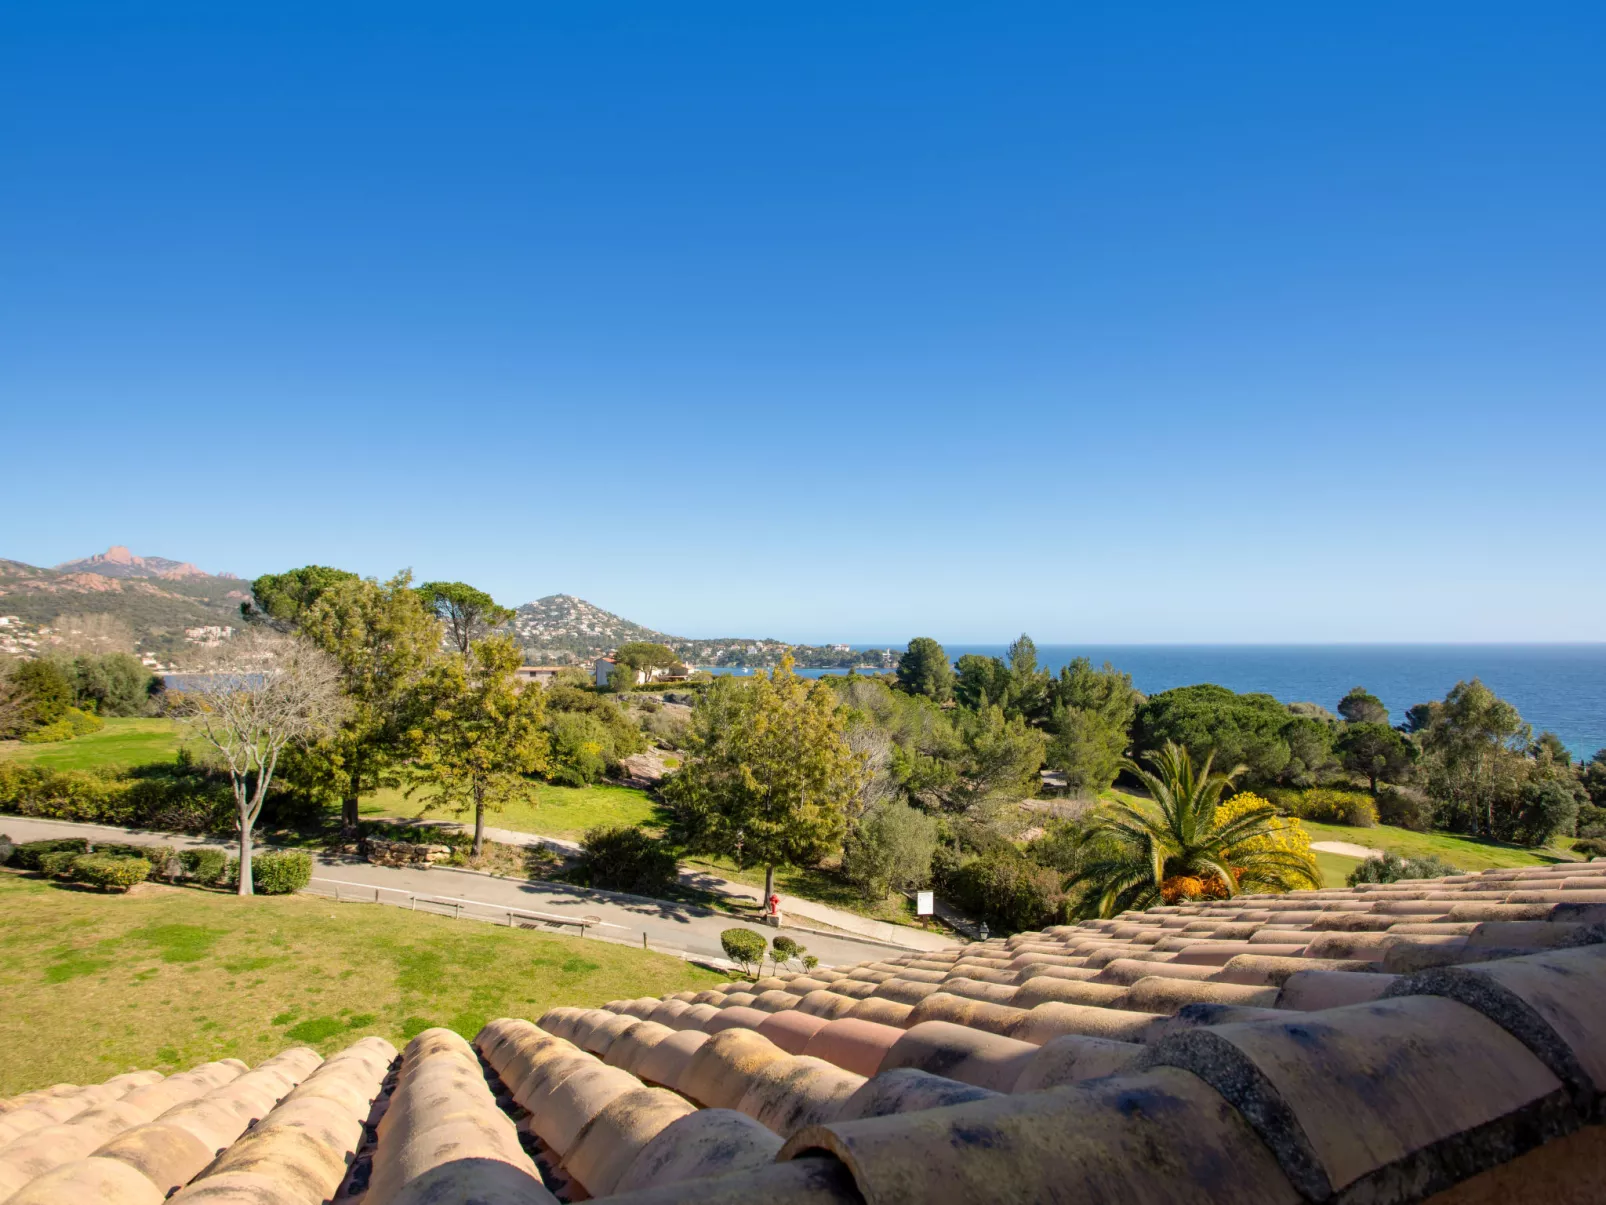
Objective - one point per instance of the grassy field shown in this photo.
(1335, 868)
(94, 984)
(1465, 853)
(554, 811)
(133, 742)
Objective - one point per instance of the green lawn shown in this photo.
(554, 811)
(1335, 868)
(94, 985)
(1465, 853)
(134, 742)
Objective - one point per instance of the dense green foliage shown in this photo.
(73, 722)
(287, 596)
(1250, 730)
(924, 669)
(622, 857)
(589, 734)
(1007, 890)
(112, 684)
(1361, 706)
(172, 798)
(1486, 774)
(466, 613)
(46, 689)
(641, 657)
(1375, 751)
(1404, 807)
(1092, 711)
(483, 735)
(385, 641)
(55, 699)
(772, 777)
(890, 848)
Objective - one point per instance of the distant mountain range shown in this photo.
(117, 561)
(155, 596)
(159, 598)
(561, 628)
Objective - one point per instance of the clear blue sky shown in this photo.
(1129, 322)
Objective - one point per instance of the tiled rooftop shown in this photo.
(1437, 1040)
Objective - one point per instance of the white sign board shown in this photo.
(923, 903)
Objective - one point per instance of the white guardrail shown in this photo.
(345, 892)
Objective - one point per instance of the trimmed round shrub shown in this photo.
(58, 863)
(273, 872)
(743, 947)
(280, 871)
(204, 865)
(785, 946)
(620, 857)
(109, 872)
(26, 856)
(1591, 847)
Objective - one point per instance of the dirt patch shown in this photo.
(142, 890)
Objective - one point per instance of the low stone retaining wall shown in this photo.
(404, 853)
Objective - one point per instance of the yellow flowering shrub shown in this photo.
(1284, 832)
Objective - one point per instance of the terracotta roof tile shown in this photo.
(1384, 1043)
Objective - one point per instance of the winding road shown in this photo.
(685, 930)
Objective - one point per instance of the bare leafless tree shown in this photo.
(874, 746)
(90, 635)
(252, 698)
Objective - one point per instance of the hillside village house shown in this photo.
(544, 674)
(671, 673)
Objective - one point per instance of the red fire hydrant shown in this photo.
(773, 916)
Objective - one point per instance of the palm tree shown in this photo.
(1133, 852)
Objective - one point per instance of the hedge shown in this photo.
(204, 865)
(109, 872)
(26, 856)
(275, 871)
(164, 798)
(1328, 806)
(58, 863)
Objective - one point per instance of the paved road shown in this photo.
(673, 928)
(806, 912)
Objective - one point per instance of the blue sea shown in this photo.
(1559, 688)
